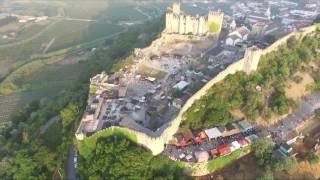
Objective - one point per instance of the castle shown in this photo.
(177, 22)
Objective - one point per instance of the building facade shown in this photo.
(178, 22)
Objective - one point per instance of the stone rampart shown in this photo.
(156, 142)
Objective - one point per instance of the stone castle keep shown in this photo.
(177, 22)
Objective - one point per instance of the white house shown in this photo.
(233, 40)
(233, 25)
(239, 35)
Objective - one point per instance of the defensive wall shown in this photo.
(155, 141)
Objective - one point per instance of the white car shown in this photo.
(75, 159)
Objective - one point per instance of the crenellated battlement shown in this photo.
(178, 22)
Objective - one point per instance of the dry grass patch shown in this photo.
(296, 90)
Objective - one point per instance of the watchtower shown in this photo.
(251, 59)
(217, 18)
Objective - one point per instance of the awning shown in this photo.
(202, 135)
(213, 133)
(183, 143)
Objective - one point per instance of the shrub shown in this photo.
(313, 158)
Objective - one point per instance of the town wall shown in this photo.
(156, 141)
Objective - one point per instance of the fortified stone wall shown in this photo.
(155, 142)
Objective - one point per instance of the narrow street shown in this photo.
(71, 170)
(283, 128)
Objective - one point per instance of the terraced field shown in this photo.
(7, 105)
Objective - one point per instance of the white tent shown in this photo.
(202, 156)
(235, 145)
(213, 133)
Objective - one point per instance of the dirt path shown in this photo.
(74, 19)
(48, 45)
(44, 128)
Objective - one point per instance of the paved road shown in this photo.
(283, 128)
(71, 170)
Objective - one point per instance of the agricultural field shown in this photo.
(43, 82)
(13, 102)
(36, 64)
(15, 31)
(74, 24)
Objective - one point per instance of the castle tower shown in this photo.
(169, 17)
(176, 8)
(189, 27)
(251, 59)
(182, 26)
(217, 19)
(175, 23)
(202, 24)
(195, 25)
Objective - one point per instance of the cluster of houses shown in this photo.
(237, 35)
(260, 20)
(25, 19)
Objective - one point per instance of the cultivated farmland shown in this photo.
(38, 59)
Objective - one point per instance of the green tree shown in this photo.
(24, 166)
(285, 164)
(262, 149)
(176, 93)
(267, 175)
(279, 102)
(317, 114)
(116, 158)
(69, 114)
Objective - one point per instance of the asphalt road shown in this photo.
(71, 170)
